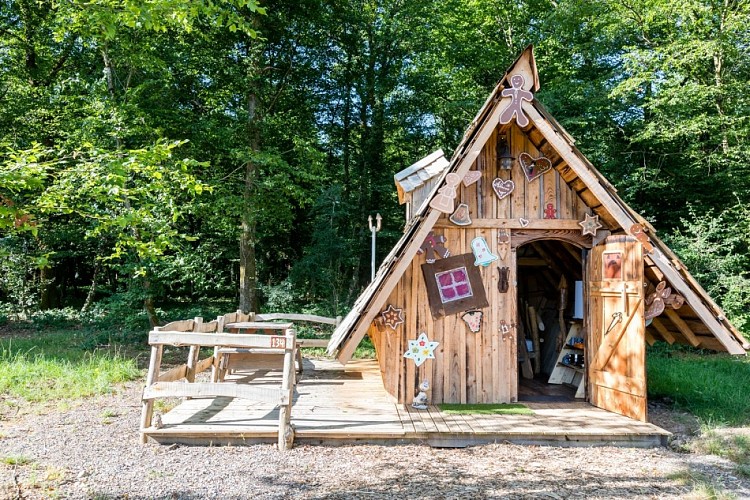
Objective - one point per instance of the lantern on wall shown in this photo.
(504, 158)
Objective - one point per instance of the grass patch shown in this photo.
(713, 387)
(726, 443)
(52, 367)
(16, 460)
(486, 409)
(165, 405)
(702, 486)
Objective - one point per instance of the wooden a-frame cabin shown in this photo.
(519, 250)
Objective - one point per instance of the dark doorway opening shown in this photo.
(547, 272)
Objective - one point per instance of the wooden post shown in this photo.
(148, 405)
(533, 324)
(215, 366)
(194, 352)
(286, 431)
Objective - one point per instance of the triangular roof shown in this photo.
(661, 263)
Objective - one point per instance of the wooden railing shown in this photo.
(308, 318)
(162, 385)
(179, 381)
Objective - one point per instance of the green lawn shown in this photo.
(51, 366)
(713, 387)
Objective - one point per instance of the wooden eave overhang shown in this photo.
(549, 137)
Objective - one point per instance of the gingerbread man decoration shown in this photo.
(443, 200)
(516, 94)
(550, 212)
(434, 244)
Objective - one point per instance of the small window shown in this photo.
(453, 284)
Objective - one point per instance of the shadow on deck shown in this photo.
(336, 404)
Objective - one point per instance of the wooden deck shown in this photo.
(342, 405)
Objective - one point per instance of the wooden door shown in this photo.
(616, 346)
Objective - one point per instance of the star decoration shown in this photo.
(590, 224)
(421, 349)
(392, 316)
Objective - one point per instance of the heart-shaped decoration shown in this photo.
(534, 167)
(461, 216)
(502, 187)
(524, 222)
(471, 177)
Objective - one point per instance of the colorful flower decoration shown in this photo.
(421, 349)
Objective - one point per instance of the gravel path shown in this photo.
(92, 451)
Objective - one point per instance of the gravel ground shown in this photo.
(92, 450)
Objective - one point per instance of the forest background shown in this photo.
(195, 156)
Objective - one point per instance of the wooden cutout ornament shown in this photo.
(503, 282)
(504, 329)
(392, 317)
(421, 349)
(659, 299)
(590, 224)
(482, 254)
(433, 245)
(443, 200)
(550, 211)
(503, 188)
(461, 216)
(503, 242)
(533, 168)
(517, 94)
(454, 285)
(636, 230)
(473, 320)
(471, 177)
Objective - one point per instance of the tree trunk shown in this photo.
(92, 290)
(46, 283)
(248, 266)
(148, 304)
(248, 271)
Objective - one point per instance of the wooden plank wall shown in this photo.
(473, 367)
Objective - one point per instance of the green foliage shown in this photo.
(140, 139)
(716, 249)
(710, 386)
(20, 282)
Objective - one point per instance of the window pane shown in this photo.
(453, 284)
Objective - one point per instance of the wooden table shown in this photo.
(270, 359)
